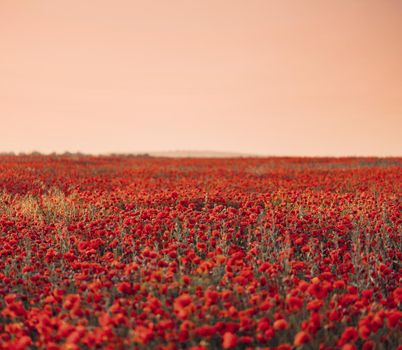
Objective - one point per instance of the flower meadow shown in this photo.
(125, 252)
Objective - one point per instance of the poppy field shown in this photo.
(125, 252)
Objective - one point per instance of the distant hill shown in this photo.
(199, 154)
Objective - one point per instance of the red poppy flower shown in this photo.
(229, 340)
(301, 338)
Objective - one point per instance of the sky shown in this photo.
(268, 77)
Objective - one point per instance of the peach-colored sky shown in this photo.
(283, 77)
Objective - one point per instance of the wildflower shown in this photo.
(229, 340)
(301, 338)
(280, 324)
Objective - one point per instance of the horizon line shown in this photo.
(186, 154)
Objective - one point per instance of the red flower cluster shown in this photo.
(154, 253)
